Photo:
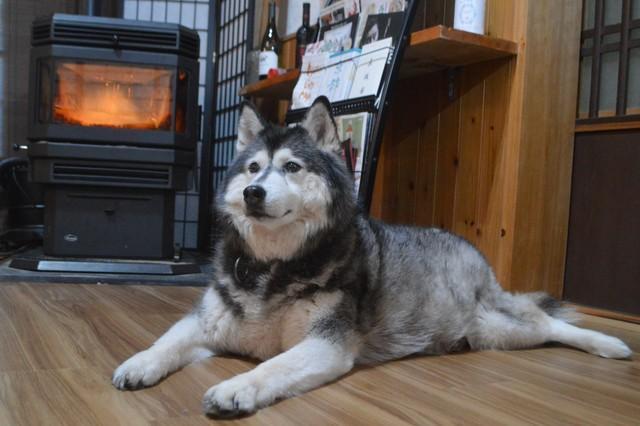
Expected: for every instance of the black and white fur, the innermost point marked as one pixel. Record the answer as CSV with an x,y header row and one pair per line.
x,y
307,284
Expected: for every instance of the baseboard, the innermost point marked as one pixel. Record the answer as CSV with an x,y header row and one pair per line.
x,y
620,316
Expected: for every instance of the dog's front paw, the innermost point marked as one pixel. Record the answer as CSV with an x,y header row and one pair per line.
x,y
238,396
141,370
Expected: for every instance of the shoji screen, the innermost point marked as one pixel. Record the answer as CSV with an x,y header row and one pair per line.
x,y
194,14
234,35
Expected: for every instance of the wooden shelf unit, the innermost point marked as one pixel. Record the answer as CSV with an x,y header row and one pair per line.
x,y
485,151
429,50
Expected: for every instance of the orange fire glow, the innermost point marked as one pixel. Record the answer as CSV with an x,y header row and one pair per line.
x,y
113,96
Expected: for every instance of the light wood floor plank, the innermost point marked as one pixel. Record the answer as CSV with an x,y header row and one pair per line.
x,y
59,345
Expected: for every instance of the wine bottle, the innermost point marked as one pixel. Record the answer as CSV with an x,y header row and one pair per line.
x,y
270,48
303,35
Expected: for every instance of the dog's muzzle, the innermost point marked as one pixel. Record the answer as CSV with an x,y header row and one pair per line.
x,y
254,196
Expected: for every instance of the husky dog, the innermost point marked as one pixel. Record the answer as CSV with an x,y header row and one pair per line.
x,y
305,282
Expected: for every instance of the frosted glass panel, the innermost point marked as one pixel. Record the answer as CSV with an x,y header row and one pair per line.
x,y
191,235
589,14
188,14
202,16
2,94
633,85
144,10
159,11
585,86
203,43
612,12
611,38
130,9
173,12
635,9
608,84
202,75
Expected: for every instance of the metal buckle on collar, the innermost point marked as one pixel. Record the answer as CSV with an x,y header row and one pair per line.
x,y
240,272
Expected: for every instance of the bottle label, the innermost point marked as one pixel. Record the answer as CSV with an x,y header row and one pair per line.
x,y
268,60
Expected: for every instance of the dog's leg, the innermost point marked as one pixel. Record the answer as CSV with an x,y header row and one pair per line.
x,y
313,362
190,339
519,323
588,340
181,345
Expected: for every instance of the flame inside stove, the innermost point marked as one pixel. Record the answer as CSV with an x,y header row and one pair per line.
x,y
113,96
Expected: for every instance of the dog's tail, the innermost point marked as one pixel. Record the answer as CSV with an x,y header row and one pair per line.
x,y
554,307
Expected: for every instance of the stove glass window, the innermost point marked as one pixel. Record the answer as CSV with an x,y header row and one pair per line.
x,y
109,95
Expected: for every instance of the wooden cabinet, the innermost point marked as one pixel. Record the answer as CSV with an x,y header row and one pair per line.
x,y
483,146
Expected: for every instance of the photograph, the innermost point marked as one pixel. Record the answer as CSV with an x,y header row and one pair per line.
x,y
379,27
352,129
340,36
335,11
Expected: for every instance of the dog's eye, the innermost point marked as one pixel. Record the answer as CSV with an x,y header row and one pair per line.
x,y
291,167
254,167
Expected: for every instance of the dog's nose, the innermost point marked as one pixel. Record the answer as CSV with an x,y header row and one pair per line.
x,y
254,194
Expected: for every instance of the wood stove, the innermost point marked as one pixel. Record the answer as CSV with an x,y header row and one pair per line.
x,y
113,127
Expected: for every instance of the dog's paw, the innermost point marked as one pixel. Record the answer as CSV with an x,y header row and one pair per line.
x,y
610,347
141,370
236,397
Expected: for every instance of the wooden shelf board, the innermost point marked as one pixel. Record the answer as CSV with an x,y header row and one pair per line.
x,y
429,50
279,87
442,47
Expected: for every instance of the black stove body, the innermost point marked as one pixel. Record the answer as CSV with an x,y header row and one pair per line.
x,y
113,127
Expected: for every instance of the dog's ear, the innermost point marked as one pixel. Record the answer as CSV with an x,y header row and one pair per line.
x,y
249,125
320,125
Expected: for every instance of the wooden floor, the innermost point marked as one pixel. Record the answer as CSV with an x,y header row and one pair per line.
x,y
60,343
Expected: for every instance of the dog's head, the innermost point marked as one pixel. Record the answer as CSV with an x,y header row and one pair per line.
x,y
286,184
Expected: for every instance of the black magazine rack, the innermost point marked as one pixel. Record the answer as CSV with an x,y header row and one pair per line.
x,y
377,106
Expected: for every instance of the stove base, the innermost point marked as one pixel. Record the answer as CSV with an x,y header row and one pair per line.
x,y
104,267
132,223
11,274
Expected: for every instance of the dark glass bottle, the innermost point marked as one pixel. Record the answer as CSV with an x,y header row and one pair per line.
x,y
270,47
303,35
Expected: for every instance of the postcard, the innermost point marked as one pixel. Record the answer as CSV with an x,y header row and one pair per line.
x,y
370,68
311,83
340,73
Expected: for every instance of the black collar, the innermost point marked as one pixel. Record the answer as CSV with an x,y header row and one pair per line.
x,y
245,268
